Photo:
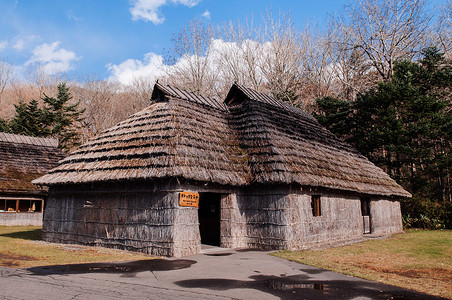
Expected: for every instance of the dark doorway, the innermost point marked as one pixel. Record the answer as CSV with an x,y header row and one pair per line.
x,y
209,218
365,212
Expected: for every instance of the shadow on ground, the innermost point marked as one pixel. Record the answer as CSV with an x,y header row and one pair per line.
x,y
31,235
300,287
126,269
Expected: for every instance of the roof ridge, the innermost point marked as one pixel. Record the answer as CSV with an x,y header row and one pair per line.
x,y
268,99
191,96
30,140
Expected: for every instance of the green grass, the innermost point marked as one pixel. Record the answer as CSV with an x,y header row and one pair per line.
x,y
21,246
417,259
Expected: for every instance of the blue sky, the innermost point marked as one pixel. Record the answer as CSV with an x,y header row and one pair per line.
x,y
90,37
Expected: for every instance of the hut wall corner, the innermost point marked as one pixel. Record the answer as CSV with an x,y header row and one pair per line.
x,y
186,240
233,223
386,217
259,217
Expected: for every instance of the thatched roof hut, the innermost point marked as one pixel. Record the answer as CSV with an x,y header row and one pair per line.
x,y
22,159
258,160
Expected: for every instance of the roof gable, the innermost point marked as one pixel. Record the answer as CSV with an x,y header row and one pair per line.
x,y
238,93
161,92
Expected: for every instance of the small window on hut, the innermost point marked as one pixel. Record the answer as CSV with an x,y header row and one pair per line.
x,y
315,204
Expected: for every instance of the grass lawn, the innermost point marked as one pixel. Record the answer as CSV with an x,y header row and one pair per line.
x,y
21,246
420,260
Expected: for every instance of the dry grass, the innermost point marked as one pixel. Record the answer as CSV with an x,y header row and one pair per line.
x,y
22,247
418,259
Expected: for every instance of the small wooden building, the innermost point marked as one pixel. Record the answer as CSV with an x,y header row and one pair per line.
x,y
267,175
22,159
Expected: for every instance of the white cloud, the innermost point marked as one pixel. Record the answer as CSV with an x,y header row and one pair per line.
x,y
52,58
21,42
152,67
206,14
3,45
148,10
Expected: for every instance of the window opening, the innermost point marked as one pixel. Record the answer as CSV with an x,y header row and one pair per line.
x,y
315,204
21,205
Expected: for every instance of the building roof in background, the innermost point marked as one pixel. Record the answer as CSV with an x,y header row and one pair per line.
x,y
30,140
24,158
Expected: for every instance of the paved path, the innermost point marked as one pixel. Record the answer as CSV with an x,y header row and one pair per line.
x,y
215,274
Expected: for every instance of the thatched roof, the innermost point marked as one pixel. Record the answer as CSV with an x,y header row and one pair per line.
x,y
180,135
254,138
24,158
286,145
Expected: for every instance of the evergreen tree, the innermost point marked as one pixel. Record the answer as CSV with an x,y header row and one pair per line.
x,y
4,127
404,125
29,120
335,114
64,118
58,119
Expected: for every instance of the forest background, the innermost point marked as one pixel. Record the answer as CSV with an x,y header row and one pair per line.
x,y
379,77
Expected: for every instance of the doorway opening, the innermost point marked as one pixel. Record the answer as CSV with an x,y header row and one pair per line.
x,y
365,212
209,218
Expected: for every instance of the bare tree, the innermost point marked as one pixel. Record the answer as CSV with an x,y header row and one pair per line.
x,y
317,77
6,73
443,30
281,56
191,58
98,98
351,70
239,57
384,30
44,82
141,91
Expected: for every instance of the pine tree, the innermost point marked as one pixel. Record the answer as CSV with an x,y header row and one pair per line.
x,y
64,118
4,126
403,125
58,119
29,120
335,114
